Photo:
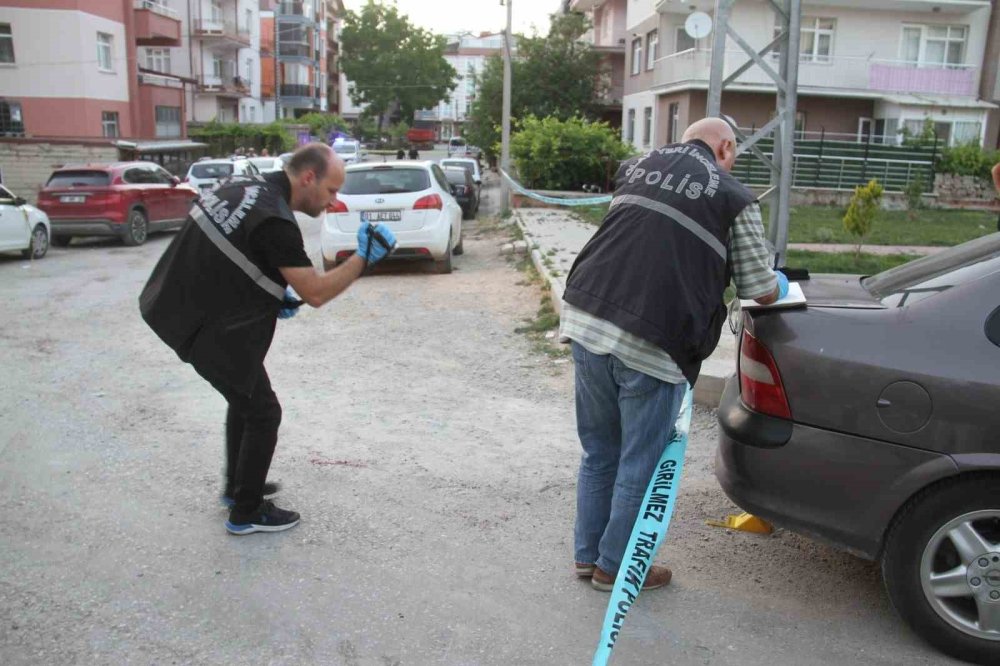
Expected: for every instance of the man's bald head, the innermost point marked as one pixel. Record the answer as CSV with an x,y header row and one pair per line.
x,y
719,136
316,172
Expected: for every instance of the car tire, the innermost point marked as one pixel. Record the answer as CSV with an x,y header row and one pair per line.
x,y
136,228
460,248
60,241
923,545
39,243
444,265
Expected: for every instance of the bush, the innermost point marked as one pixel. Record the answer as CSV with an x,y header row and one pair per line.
x,y
967,160
224,138
860,217
825,235
320,124
914,192
552,154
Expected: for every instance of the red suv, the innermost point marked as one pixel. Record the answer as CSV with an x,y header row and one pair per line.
x,y
124,199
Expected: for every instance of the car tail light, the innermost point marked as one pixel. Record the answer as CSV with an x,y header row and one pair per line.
x,y
760,381
429,202
337,206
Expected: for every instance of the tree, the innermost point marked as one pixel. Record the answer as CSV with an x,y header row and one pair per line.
x,y
555,75
860,218
396,67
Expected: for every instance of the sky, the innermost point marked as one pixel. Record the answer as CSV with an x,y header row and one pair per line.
x,y
450,16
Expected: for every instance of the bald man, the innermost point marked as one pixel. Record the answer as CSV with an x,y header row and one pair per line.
x,y
217,292
643,308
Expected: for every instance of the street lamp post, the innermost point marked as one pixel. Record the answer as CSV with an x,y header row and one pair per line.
x,y
505,140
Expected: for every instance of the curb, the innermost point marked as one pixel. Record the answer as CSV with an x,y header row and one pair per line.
x,y
714,373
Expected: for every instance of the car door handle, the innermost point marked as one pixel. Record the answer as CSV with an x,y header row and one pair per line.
x,y
882,402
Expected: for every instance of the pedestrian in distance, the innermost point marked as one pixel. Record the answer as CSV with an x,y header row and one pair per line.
x,y
413,153
400,154
220,287
264,153
995,172
643,307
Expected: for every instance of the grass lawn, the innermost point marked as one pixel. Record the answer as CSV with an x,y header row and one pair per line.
x,y
845,262
824,224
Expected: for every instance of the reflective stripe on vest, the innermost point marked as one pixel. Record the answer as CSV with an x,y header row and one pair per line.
x,y
675,215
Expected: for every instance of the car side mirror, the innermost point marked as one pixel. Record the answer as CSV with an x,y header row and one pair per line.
x,y
175,181
477,180
20,201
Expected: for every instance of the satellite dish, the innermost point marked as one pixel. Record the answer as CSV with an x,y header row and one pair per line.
x,y
698,25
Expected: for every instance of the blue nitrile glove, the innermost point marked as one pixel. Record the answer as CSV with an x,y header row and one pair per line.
x,y
370,248
292,302
782,285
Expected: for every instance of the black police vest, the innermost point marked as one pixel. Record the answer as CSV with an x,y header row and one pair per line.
x,y
659,264
207,298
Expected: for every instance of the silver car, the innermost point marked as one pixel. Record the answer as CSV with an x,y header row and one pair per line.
x,y
870,420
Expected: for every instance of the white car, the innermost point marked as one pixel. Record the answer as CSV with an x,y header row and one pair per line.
x,y
412,198
267,164
204,174
22,227
349,151
467,163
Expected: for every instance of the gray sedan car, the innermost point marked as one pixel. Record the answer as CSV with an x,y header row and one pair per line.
x,y
870,419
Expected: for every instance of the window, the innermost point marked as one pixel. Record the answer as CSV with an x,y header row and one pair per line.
x,y
647,125
104,52
217,67
249,21
168,121
815,39
652,48
630,127
158,60
249,81
673,116
636,55
216,10
109,124
10,118
683,41
6,44
933,45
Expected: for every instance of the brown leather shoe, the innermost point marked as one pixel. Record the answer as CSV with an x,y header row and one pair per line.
x,y
657,577
584,570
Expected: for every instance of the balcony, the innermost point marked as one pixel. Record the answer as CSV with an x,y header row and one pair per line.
x,y
292,11
299,95
219,33
156,24
223,85
837,74
294,50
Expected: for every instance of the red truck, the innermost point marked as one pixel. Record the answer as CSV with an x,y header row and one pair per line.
x,y
422,135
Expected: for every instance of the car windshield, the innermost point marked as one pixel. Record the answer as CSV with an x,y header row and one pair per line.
x,y
264,162
210,170
345,148
385,181
79,179
922,278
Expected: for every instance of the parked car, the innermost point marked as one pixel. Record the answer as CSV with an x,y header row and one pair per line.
x,y
203,175
124,199
469,164
22,226
464,189
869,419
349,151
267,164
456,144
285,157
413,198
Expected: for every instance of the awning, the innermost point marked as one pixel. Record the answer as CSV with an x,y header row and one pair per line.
x,y
160,146
920,99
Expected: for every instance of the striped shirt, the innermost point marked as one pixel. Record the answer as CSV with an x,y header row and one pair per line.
x,y
751,263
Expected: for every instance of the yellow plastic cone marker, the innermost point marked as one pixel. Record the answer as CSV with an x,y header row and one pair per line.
x,y
744,522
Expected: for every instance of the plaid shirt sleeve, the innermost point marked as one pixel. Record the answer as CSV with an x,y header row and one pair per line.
x,y
751,255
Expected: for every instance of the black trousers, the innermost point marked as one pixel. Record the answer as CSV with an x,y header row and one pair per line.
x,y
251,436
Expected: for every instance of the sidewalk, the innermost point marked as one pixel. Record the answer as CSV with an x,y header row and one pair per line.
x,y
556,236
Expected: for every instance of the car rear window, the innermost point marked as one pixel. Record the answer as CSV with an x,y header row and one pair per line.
x,y
468,166
79,179
455,176
931,275
345,148
385,181
211,170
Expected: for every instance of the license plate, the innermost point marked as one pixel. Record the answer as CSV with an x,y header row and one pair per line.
x,y
76,198
381,215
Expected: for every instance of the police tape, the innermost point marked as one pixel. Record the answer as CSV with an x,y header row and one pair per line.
x,y
649,532
559,201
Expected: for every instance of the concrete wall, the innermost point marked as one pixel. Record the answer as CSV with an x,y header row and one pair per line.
x,y
27,164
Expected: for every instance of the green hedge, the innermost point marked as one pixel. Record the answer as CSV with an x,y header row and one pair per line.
x,y
968,160
224,138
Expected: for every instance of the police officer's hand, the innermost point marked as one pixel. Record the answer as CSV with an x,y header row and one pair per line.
x,y
782,285
292,302
375,242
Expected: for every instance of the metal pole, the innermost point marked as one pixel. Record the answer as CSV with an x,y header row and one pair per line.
x,y
505,138
787,103
277,66
722,9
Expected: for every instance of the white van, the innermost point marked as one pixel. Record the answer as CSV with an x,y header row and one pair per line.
x,y
456,145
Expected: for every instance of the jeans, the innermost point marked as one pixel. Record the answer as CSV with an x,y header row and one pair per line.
x,y
251,437
624,419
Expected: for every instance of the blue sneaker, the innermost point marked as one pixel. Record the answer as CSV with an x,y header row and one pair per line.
x,y
267,518
270,490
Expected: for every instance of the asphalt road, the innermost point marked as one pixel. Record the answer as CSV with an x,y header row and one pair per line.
x,y
432,454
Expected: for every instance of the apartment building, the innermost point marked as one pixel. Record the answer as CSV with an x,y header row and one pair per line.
x,y
334,16
867,70
608,38
77,69
294,56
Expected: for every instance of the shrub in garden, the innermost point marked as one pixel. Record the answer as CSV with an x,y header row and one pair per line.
x,y
862,211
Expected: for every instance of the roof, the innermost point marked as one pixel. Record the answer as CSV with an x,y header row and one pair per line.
x,y
920,99
160,146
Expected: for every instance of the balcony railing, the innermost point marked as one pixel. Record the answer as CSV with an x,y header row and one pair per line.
x,y
855,73
296,90
294,49
145,78
157,8
225,84
228,30
297,8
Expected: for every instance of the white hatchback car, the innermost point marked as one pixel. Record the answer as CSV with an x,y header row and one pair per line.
x,y
412,198
204,174
349,151
22,227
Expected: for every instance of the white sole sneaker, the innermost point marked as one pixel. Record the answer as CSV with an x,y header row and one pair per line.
x,y
251,528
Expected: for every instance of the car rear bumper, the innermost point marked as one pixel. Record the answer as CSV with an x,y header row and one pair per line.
x,y
832,486
434,239
86,227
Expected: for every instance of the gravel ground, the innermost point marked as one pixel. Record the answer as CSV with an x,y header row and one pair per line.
x,y
432,455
